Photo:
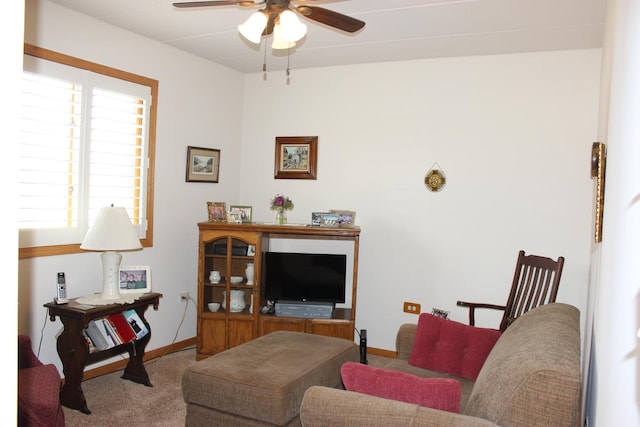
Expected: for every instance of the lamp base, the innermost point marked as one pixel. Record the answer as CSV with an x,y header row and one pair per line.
x,y
111,275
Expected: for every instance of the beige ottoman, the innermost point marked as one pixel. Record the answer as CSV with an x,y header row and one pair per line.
x,y
262,382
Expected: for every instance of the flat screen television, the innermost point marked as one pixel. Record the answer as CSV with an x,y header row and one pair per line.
x,y
304,277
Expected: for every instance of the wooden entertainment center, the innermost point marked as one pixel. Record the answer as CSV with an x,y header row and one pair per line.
x,y
240,320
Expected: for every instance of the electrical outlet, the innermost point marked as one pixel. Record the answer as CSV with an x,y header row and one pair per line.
x,y
184,296
411,307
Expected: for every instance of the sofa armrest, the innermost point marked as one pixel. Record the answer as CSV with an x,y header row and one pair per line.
x,y
329,407
404,340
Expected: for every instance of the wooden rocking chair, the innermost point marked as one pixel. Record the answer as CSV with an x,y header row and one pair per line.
x,y
535,283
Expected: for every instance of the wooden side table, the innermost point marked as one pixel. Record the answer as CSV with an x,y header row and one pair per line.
x,y
74,351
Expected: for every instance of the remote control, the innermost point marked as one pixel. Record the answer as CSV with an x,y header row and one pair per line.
x,y
363,346
61,295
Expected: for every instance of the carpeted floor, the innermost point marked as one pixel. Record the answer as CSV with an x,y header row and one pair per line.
x,y
117,402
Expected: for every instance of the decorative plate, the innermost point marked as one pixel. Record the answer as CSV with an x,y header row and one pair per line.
x,y
435,180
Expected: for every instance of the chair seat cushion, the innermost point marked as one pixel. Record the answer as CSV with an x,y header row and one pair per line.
x,y
437,393
451,347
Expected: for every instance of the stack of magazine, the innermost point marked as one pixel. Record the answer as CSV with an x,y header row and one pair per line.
x,y
117,329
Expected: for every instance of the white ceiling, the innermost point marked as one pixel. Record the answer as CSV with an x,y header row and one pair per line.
x,y
395,29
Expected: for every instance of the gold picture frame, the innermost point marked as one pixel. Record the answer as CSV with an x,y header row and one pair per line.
x,y
203,164
296,157
217,211
598,168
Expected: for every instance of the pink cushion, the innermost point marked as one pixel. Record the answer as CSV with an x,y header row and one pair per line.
x,y
437,393
451,347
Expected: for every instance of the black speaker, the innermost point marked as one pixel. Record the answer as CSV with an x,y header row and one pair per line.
x,y
363,346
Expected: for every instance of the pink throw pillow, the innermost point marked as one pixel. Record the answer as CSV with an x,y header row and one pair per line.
x,y
451,347
437,393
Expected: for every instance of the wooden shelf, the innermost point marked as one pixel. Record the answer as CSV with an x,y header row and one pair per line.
x,y
223,329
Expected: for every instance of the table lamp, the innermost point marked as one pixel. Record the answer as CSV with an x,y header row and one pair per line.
x,y
111,231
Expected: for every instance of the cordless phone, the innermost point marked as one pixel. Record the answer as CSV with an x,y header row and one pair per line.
x,y
61,294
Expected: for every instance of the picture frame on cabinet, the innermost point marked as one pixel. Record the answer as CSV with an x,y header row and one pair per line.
x,y
203,164
242,212
217,211
296,157
346,219
135,279
324,219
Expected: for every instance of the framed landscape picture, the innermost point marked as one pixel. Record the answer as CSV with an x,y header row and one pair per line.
x,y
296,157
203,164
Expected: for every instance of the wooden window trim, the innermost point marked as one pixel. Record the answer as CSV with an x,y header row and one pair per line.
x,y
29,49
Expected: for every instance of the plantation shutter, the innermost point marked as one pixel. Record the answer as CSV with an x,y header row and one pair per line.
x,y
84,146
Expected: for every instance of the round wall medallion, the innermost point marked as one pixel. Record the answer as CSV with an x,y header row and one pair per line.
x,y
435,180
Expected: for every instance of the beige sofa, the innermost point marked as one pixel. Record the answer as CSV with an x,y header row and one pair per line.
x,y
530,378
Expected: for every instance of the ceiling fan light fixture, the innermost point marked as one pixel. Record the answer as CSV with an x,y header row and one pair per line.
x,y
278,42
253,27
291,28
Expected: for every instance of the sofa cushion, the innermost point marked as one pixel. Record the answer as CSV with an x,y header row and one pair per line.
x,y
437,393
451,347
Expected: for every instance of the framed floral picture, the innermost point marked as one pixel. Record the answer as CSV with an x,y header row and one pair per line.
x,y
346,219
203,164
296,157
217,211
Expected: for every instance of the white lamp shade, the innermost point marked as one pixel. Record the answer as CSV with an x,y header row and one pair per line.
x,y
253,27
292,29
278,42
111,231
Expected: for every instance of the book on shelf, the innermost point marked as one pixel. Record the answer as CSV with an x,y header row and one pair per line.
x,y
92,348
111,331
102,325
136,323
98,336
122,328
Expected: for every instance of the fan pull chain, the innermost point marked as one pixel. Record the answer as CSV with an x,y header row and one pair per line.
x,y
288,59
264,61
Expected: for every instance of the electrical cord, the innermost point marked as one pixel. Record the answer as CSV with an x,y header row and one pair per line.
x,y
44,325
184,315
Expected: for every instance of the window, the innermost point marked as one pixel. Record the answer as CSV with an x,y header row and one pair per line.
x,y
87,141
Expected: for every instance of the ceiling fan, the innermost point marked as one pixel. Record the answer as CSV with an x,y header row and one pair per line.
x,y
278,13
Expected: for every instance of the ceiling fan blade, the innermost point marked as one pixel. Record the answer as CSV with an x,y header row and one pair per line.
x,y
216,3
331,18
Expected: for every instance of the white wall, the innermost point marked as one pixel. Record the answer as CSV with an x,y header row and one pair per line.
x,y
200,104
614,381
513,135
